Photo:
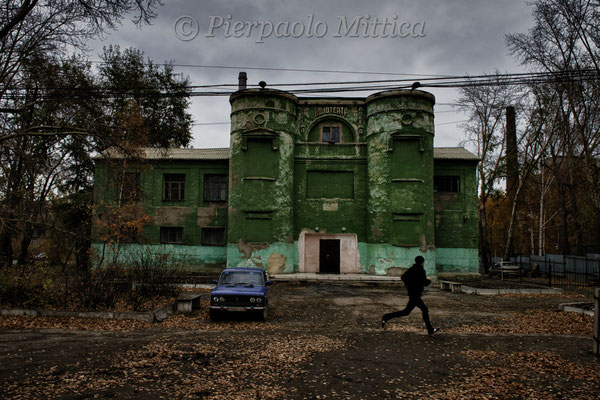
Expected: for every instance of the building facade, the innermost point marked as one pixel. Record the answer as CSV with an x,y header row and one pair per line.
x,y
328,185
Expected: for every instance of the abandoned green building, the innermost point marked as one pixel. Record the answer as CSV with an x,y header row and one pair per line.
x,y
329,185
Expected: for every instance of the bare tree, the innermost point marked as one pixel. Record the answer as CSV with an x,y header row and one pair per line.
x,y
565,39
485,106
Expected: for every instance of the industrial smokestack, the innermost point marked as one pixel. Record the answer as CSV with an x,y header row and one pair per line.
x,y
512,160
242,80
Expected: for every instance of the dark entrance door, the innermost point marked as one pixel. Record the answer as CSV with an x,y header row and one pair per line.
x,y
329,256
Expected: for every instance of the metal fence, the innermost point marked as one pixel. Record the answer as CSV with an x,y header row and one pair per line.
x,y
556,270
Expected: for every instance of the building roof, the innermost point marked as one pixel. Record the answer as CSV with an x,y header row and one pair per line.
x,y
150,153
439,153
453,153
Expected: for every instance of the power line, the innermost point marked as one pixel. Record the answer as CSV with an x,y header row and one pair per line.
x,y
328,71
531,78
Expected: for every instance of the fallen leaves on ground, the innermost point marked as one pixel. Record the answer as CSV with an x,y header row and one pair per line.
x,y
85,324
566,296
536,322
205,369
521,375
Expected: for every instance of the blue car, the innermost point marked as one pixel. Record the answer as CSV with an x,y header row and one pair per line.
x,y
240,289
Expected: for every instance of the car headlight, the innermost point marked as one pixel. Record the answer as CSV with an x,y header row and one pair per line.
x,y
252,300
218,299
259,299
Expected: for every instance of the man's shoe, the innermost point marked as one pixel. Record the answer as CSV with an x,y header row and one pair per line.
x,y
383,322
432,331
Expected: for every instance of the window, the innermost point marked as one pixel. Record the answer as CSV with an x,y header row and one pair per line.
x,y
329,184
171,235
448,184
173,187
130,187
213,236
330,133
215,187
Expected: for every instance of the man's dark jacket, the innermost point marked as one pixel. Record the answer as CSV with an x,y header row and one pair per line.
x,y
415,280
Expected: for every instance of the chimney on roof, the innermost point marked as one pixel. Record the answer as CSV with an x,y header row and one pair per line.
x,y
242,80
512,159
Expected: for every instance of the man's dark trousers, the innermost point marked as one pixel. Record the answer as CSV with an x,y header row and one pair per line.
x,y
413,301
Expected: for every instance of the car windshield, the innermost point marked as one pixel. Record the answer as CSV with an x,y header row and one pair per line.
x,y
242,278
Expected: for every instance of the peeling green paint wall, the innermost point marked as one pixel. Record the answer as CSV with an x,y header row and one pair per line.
x,y
261,198
192,214
377,183
188,255
457,260
382,257
277,258
400,164
456,213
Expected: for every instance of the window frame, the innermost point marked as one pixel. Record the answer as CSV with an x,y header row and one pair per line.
x,y
449,184
169,185
208,182
167,231
126,183
331,125
207,241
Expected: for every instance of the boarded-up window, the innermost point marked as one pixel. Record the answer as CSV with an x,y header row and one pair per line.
x,y
261,160
330,184
258,226
173,187
406,229
215,187
171,235
407,159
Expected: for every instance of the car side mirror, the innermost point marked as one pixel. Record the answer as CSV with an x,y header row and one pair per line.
x,y
268,283
215,281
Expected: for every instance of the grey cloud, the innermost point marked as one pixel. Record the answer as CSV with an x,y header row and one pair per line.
x,y
462,36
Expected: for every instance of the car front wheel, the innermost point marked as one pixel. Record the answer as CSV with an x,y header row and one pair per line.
x,y
215,315
262,315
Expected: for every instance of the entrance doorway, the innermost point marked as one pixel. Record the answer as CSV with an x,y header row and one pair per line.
x,y
329,256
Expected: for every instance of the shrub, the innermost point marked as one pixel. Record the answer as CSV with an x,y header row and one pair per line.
x,y
152,275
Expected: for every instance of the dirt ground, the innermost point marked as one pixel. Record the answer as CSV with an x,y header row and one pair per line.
x,y
322,341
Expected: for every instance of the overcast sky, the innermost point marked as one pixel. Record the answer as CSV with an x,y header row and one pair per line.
x,y
443,37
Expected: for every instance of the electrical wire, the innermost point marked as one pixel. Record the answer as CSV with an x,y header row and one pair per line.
x,y
531,78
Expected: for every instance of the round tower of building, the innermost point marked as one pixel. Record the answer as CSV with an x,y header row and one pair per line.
x,y
263,126
400,133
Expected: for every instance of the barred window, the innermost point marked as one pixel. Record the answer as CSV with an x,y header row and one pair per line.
x,y
171,235
213,236
173,187
215,187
